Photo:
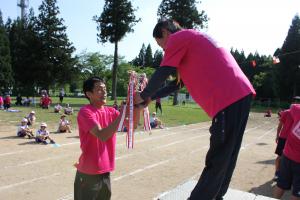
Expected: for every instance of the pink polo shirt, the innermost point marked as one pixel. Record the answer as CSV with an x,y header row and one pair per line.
x,y
97,157
209,72
287,122
292,145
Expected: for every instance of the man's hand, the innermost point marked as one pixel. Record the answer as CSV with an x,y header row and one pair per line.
x,y
139,101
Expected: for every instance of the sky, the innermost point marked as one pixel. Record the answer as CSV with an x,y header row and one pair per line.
x,y
250,25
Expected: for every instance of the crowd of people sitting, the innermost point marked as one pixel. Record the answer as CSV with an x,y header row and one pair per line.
x,y
42,135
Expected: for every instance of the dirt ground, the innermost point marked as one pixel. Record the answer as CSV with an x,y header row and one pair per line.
x,y
158,162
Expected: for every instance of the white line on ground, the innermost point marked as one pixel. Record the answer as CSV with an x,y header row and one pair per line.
x,y
26,182
36,161
77,142
70,196
257,139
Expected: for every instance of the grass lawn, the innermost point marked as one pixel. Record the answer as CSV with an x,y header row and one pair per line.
x,y
172,115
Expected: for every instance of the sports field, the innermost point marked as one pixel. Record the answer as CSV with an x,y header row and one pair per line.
x,y
158,162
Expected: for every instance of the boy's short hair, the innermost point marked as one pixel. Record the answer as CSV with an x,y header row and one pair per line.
x,y
168,24
89,84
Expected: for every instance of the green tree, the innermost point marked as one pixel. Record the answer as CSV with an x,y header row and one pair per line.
x,y
148,57
116,20
6,74
184,12
290,62
26,52
95,64
157,58
139,61
57,61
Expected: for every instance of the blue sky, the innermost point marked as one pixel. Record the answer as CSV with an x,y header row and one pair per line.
x,y
256,25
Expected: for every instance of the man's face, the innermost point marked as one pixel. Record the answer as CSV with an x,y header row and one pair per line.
x,y
99,93
162,42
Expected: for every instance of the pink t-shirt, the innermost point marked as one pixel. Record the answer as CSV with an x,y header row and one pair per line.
x,y
209,72
97,157
292,145
287,122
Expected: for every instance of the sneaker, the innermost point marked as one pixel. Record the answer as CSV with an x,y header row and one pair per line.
x,y
52,142
45,142
276,176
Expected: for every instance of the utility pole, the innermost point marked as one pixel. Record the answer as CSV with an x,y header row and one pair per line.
x,y
23,5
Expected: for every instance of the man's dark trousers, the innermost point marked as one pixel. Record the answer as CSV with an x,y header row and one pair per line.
x,y
227,132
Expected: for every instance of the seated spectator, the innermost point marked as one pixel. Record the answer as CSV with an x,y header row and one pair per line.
x,y
57,108
68,110
42,135
64,125
42,100
19,100
1,102
24,130
7,102
46,102
268,113
26,101
31,118
155,122
115,105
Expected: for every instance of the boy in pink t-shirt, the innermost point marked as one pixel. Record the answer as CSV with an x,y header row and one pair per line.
x,y
217,84
283,129
97,125
289,171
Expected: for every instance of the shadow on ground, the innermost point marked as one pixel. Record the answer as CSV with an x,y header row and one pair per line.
x,y
267,162
267,188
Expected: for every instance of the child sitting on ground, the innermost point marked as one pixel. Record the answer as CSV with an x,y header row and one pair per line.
x,y
31,118
57,108
42,135
155,122
68,110
64,125
24,130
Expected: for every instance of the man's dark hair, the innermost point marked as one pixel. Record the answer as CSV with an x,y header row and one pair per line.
x,y
168,24
89,84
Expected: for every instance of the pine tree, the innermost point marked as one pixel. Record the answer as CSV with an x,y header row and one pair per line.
x,y
140,60
290,61
58,63
6,74
26,52
157,58
116,20
184,12
148,57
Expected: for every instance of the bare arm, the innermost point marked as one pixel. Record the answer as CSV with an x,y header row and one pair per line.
x,y
105,133
279,127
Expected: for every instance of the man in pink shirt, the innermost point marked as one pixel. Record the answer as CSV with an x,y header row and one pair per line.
x,y
218,85
97,125
289,171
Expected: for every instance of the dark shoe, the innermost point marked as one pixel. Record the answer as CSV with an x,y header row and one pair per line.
x,y
52,142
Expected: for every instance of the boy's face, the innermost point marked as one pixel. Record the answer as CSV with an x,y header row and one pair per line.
x,y
162,42
98,94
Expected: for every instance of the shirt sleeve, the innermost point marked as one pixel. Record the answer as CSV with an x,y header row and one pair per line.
x,y
157,80
168,89
86,119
